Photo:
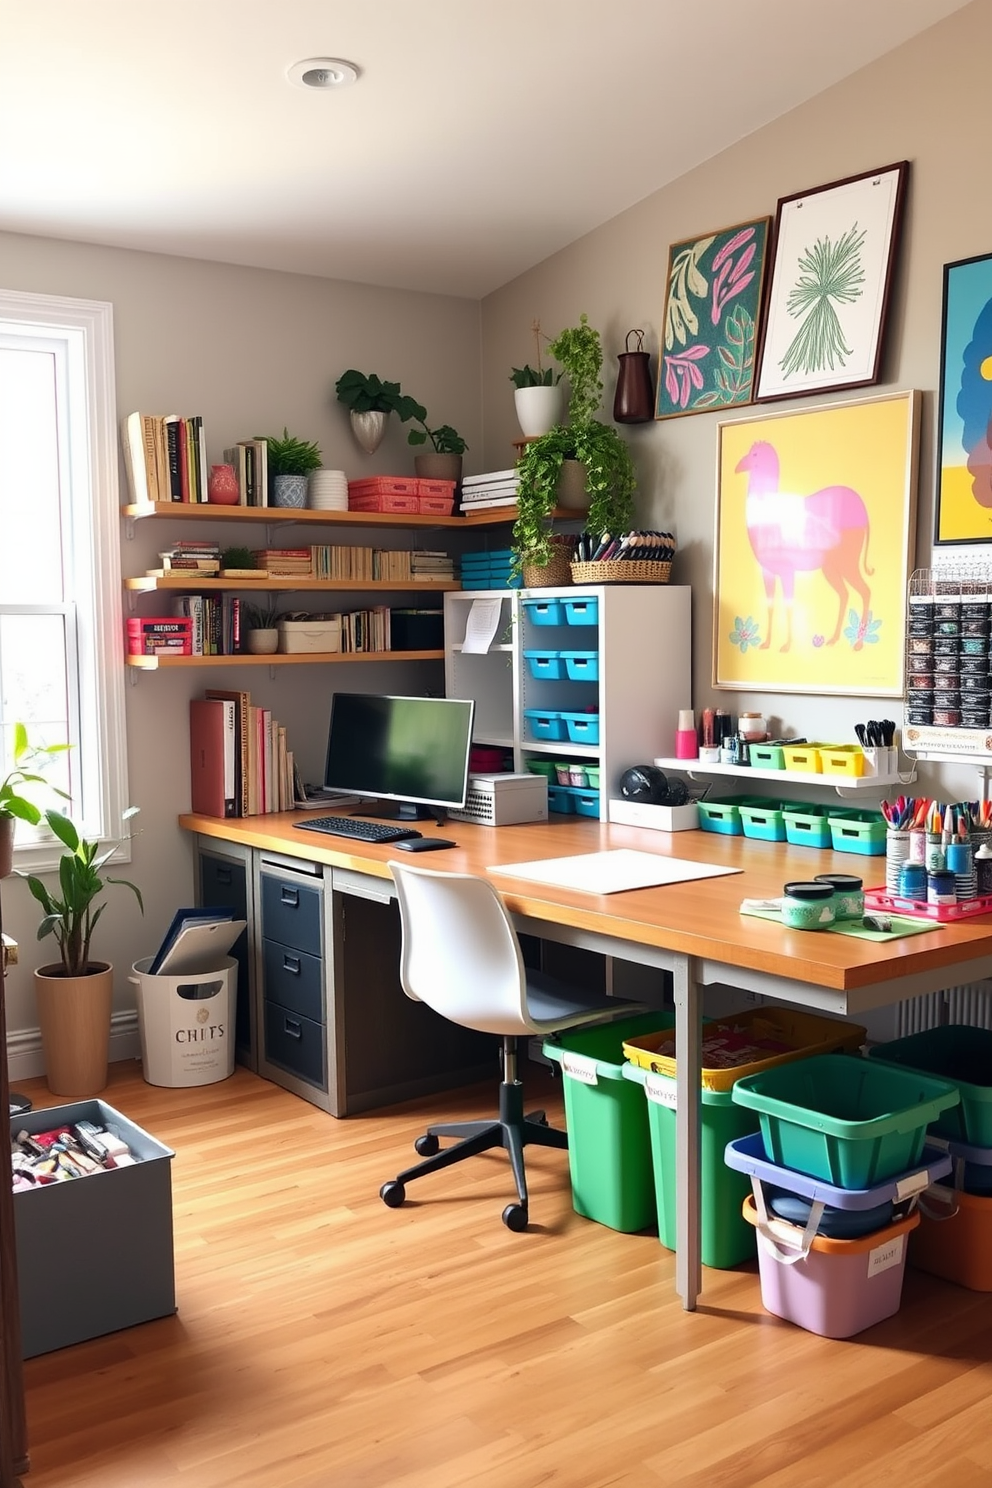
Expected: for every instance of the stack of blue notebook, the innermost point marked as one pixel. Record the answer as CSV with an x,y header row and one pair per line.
x,y
489,570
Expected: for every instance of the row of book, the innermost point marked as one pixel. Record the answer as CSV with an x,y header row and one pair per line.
x,y
481,492
240,760
165,457
215,625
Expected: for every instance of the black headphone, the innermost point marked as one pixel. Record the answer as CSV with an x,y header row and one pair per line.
x,y
648,784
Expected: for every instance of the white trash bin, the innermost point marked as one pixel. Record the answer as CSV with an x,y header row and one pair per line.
x,y
186,1024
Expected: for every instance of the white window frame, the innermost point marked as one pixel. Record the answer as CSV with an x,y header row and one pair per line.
x,y
86,328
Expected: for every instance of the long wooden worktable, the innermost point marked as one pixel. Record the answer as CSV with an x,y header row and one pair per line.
x,y
694,930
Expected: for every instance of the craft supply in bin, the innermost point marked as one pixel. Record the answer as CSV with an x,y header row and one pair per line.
x,y
833,1117
962,1055
609,1145
747,1043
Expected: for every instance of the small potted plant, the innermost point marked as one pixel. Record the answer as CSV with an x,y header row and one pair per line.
x,y
14,805
537,396
75,993
369,402
584,447
260,620
290,462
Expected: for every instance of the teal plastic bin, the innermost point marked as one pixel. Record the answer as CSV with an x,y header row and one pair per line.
x,y
854,1122
962,1055
609,1142
726,1239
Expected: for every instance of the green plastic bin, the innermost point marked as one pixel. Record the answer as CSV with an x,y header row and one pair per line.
x,y
609,1143
854,1122
726,1238
962,1055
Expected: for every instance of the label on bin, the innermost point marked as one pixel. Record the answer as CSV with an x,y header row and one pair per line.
x,y
661,1090
884,1257
580,1067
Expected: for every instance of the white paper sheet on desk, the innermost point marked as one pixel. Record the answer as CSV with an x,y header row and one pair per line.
x,y
612,872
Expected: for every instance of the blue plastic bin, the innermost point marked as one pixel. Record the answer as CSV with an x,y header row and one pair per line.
x,y
582,611
544,725
545,611
582,666
583,728
545,664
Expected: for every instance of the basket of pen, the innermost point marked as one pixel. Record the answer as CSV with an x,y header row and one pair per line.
x,y
633,558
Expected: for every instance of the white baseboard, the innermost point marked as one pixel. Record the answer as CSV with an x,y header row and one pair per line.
x,y
25,1058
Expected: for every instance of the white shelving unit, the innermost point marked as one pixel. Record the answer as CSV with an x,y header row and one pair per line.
x,y
696,769
642,642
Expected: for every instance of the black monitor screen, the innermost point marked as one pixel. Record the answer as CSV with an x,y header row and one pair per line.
x,y
407,749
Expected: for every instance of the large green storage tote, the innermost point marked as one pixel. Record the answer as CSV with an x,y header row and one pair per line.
x,y
726,1238
609,1143
958,1053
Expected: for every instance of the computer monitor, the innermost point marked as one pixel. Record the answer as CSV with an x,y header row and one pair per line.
x,y
409,751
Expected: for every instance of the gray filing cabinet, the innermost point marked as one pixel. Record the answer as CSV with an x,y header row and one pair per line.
x,y
290,946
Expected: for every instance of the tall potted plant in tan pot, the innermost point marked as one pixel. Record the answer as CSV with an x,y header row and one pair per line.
x,y
75,993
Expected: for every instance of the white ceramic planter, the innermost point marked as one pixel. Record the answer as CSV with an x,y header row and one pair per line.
x,y
368,428
538,409
263,642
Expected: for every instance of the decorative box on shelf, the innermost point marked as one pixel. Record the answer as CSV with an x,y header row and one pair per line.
x,y
662,818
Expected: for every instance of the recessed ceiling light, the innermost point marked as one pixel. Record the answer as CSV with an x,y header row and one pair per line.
x,y
323,72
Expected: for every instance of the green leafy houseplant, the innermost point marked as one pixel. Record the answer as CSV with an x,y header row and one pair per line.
x,y
362,392
609,471
291,456
28,759
262,613
71,914
528,376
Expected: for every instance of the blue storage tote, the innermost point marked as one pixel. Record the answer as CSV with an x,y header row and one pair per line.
x,y
764,822
582,611
544,725
723,814
858,832
545,664
958,1053
806,826
545,611
609,1145
586,802
849,1120
581,666
583,728
561,799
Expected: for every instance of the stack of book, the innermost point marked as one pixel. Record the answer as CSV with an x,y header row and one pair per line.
x,y
493,569
366,630
158,635
280,562
165,457
240,763
249,459
215,623
189,556
427,565
498,488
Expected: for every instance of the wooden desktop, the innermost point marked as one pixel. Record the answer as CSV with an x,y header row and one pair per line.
x,y
694,930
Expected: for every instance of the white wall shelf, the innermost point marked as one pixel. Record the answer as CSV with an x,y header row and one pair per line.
x,y
695,769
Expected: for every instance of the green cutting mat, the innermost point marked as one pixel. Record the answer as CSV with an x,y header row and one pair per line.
x,y
901,925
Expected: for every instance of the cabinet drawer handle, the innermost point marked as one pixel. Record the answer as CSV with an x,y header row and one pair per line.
x,y
291,963
224,875
295,1030
289,895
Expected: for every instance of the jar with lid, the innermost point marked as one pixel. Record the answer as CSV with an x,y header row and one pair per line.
x,y
808,906
941,888
848,892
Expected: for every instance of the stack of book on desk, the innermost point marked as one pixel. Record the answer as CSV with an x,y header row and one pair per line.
x,y
481,492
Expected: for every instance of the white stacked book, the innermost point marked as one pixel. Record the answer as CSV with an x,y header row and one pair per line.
x,y
498,488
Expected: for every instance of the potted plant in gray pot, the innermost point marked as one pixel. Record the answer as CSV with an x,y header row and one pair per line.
x,y
260,620
75,994
290,462
583,465
14,805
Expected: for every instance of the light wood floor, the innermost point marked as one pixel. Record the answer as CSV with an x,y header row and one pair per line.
x,y
323,1340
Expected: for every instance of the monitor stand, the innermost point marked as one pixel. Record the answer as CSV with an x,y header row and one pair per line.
x,y
404,811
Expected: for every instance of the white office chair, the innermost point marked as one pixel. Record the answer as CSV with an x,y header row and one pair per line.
x,y
460,955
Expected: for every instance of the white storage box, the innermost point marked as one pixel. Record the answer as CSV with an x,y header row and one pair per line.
x,y
310,635
502,800
662,818
186,1024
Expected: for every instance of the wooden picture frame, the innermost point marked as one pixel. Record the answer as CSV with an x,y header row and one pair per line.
x,y
813,548
711,319
963,487
828,293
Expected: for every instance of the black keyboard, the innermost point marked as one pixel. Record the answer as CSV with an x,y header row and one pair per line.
x,y
361,831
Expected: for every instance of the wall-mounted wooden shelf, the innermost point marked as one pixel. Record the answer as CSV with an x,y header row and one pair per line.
x,y
278,658
181,583
205,511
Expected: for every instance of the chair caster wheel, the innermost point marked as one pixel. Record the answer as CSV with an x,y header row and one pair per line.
x,y
427,1145
392,1194
515,1217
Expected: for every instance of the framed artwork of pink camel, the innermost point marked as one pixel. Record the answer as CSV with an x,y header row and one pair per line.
x,y
814,548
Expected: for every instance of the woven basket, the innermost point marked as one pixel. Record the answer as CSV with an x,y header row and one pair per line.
x,y
635,572
554,574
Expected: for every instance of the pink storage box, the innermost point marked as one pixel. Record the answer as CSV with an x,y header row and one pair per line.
x,y
838,1287
384,493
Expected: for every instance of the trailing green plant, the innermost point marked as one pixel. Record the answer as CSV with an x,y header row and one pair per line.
x,y
71,914
290,456
362,392
29,759
609,470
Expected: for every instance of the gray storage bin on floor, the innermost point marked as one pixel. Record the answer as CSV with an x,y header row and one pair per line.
x,y
94,1254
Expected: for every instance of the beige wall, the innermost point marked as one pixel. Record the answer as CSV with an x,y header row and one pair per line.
x,y
253,350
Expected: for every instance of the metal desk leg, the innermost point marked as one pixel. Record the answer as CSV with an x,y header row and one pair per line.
x,y
688,1039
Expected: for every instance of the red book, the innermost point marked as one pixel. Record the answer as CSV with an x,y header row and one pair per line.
x,y
211,741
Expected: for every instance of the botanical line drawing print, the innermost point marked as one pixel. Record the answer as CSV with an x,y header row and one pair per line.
x,y
710,321
826,531
829,271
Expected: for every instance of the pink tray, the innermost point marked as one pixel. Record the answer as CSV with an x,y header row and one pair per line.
x,y
879,899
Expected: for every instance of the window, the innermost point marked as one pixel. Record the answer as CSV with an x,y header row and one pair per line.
x,y
60,613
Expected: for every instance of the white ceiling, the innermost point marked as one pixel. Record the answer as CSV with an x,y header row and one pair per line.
x,y
483,135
